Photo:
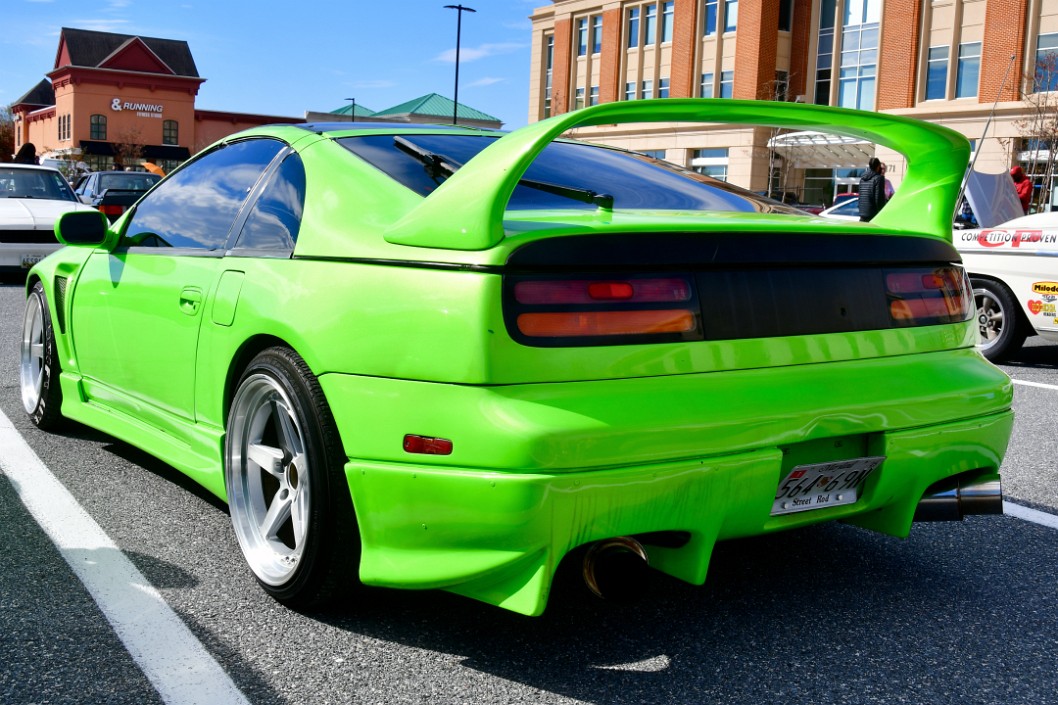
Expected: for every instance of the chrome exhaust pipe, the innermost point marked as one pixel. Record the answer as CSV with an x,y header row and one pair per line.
x,y
948,502
617,568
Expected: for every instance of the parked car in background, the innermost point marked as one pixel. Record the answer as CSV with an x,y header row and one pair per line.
x,y
31,199
113,192
430,357
1012,261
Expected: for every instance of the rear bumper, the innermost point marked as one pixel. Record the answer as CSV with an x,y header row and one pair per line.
x,y
556,466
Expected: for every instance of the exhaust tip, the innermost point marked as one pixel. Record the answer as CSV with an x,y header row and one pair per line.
x,y
948,502
617,569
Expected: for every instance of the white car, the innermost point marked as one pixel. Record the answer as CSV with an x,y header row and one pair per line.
x,y
31,199
1013,268
848,209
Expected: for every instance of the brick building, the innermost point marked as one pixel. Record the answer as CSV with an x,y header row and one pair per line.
x,y
122,99
946,61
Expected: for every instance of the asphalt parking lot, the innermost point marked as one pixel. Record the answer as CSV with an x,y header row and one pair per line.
x,y
957,613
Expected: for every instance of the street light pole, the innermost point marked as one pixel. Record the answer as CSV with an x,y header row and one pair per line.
x,y
459,31
352,110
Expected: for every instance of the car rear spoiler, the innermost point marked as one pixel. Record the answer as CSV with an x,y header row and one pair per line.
x,y
466,211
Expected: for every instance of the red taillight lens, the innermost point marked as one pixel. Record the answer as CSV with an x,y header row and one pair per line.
x,y
427,445
586,291
607,309
112,210
923,297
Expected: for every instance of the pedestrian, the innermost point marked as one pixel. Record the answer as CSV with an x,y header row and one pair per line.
x,y
872,190
889,190
1023,185
27,154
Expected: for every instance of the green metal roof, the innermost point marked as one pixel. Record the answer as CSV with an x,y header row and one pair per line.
x,y
361,111
434,105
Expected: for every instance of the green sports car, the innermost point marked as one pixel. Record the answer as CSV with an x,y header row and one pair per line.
x,y
440,357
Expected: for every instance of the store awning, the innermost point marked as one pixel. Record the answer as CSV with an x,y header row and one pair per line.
x,y
150,151
817,150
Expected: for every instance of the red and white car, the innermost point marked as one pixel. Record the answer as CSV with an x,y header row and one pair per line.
x,y
1013,266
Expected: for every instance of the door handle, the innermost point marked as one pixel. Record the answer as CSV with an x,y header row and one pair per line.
x,y
190,300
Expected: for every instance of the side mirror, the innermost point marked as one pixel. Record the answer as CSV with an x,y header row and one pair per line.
x,y
83,228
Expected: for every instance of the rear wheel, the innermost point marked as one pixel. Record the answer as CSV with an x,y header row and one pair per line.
x,y
1002,332
287,493
38,371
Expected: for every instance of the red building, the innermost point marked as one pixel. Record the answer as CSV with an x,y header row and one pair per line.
x,y
122,100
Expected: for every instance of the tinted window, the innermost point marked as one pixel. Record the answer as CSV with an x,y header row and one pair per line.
x,y
274,220
130,181
197,205
634,180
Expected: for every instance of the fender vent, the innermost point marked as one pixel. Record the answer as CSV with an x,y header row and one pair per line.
x,y
60,303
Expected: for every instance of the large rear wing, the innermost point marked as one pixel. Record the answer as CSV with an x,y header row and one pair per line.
x,y
466,211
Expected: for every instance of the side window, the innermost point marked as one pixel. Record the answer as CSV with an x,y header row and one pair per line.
x,y
275,218
197,205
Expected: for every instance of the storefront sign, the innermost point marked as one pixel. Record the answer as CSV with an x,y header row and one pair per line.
x,y
150,110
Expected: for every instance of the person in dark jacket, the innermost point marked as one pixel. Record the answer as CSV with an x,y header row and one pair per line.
x,y
872,190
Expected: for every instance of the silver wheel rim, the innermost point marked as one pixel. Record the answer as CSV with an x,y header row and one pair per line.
x,y
31,369
268,480
990,317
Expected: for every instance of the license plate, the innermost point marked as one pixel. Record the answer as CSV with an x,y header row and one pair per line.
x,y
30,260
823,485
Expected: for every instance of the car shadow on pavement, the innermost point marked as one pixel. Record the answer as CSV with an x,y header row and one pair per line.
x,y
824,614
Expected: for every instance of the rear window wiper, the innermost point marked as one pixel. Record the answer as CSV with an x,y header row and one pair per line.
x,y
438,164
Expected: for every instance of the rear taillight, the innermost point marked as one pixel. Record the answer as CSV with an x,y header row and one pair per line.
x,y
603,310
920,296
112,210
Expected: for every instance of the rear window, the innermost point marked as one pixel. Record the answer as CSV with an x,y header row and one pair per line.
x,y
34,183
565,175
130,181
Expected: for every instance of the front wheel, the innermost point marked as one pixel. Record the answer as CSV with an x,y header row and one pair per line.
x,y
287,493
38,370
1002,332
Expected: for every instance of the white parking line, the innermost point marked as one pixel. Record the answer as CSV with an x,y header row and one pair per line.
x,y
1041,385
1033,515
174,661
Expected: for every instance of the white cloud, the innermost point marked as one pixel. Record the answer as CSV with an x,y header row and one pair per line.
x,y
467,54
487,81
111,25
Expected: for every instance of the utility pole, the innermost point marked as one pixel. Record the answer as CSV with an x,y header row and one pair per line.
x,y
459,31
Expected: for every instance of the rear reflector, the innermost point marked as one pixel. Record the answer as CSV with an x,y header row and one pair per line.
x,y
427,445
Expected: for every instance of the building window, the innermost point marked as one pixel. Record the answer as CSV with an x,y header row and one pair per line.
x,y
593,96
825,53
596,34
648,90
663,88
578,102
549,53
785,15
968,70
630,90
859,55
706,89
654,153
937,74
98,127
709,15
711,162
170,132
730,15
650,28
633,27
582,36
727,84
666,21
1046,73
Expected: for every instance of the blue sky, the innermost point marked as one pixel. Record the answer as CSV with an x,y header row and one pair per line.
x,y
284,58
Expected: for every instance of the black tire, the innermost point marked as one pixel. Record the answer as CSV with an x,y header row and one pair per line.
x,y
39,368
309,553
999,320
